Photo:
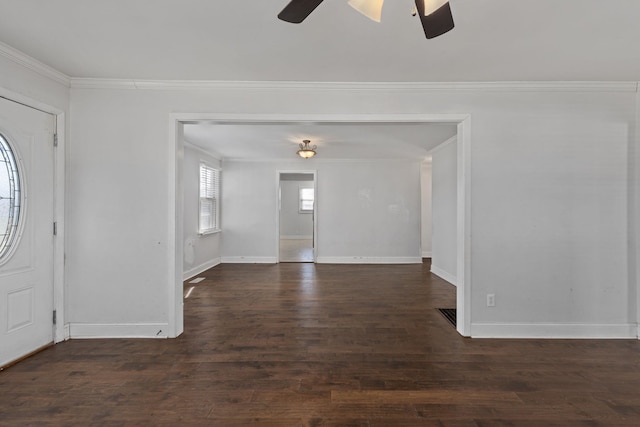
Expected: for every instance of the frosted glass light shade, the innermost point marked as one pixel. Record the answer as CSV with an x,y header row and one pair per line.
x,y
431,6
306,154
306,151
372,9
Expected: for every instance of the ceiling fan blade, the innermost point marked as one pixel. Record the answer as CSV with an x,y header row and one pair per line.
x,y
298,10
372,9
438,23
431,6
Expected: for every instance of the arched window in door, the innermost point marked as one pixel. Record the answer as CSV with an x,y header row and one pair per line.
x,y
10,198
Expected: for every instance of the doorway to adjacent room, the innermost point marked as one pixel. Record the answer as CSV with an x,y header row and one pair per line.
x,y
296,216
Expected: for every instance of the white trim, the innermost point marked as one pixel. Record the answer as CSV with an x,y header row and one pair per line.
x,y
200,268
319,160
444,275
175,195
60,331
175,232
296,237
249,260
463,229
313,172
29,102
525,86
201,150
240,118
97,83
368,260
118,330
427,254
553,330
633,196
440,147
34,65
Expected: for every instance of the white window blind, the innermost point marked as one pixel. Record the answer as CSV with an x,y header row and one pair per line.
x,y
209,199
306,200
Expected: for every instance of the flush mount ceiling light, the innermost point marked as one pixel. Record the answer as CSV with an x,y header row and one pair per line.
x,y
306,151
435,15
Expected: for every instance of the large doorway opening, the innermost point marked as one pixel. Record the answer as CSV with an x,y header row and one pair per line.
x,y
359,121
296,216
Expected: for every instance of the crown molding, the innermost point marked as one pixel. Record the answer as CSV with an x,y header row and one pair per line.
x,y
315,160
201,150
587,86
34,65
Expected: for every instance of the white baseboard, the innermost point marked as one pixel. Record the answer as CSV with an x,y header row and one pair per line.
x,y
554,330
368,260
200,268
118,330
444,275
248,260
426,254
296,237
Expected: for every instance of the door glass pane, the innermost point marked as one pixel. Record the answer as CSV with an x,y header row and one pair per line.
x,y
10,197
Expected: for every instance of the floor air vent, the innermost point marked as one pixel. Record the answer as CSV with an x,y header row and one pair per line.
x,y
450,315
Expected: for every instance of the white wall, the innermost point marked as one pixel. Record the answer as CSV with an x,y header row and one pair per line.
x,y
369,212
549,183
201,252
365,211
426,208
35,81
445,209
552,195
293,223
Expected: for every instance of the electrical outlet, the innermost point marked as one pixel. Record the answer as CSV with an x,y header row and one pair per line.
x,y
491,300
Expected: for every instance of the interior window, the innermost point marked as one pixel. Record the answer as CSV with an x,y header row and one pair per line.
x,y
306,200
209,199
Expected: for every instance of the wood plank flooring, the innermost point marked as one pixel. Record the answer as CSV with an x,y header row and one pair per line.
x,y
324,345
296,250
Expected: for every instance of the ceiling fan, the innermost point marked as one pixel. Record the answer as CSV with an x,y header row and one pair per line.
x,y
435,15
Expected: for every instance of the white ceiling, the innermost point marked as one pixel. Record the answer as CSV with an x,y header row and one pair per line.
x,y
334,140
231,40
494,40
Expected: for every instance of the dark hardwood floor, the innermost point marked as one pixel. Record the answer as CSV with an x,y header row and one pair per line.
x,y
324,345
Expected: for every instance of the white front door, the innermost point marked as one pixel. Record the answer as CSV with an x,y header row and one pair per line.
x,y
26,230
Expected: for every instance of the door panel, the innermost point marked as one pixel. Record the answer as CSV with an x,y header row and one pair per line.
x,y
26,269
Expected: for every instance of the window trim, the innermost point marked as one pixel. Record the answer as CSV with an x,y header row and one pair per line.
x,y
300,200
217,172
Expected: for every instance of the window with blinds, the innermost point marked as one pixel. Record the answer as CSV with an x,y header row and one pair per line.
x,y
209,199
306,200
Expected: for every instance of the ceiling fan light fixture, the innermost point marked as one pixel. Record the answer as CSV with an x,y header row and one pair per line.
x,y
306,151
431,6
435,15
372,9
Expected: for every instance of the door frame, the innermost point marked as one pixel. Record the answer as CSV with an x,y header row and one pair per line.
x,y
175,155
61,327
313,172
